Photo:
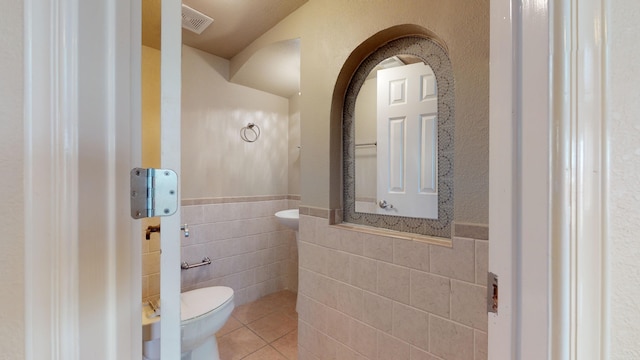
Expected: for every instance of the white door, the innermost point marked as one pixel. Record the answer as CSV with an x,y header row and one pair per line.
x,y
407,141
170,75
81,123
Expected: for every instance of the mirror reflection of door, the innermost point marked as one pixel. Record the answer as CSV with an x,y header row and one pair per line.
x,y
407,141
396,140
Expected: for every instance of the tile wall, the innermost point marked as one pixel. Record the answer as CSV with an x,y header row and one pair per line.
x,y
365,296
250,251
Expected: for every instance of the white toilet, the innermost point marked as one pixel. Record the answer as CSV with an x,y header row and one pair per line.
x,y
203,312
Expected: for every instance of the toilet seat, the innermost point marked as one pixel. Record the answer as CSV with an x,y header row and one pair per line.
x,y
197,303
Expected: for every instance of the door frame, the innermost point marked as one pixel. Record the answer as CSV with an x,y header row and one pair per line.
x,y
170,102
547,87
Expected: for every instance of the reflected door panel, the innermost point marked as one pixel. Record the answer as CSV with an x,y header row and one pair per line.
x,y
407,141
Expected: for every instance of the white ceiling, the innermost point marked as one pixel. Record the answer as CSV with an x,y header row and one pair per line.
x,y
236,24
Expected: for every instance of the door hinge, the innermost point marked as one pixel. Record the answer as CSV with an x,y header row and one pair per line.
x,y
492,293
154,192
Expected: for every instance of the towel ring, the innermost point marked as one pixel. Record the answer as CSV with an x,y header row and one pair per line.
x,y
250,133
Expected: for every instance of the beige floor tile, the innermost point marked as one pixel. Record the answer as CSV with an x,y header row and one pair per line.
x,y
288,345
266,353
281,299
284,296
255,310
239,343
265,329
229,326
290,312
273,326
278,294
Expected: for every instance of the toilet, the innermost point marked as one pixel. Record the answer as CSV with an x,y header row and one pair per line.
x,y
202,313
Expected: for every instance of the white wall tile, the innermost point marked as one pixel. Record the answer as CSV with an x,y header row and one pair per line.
x,y
449,340
383,293
364,273
311,257
221,230
411,325
238,237
480,345
393,282
154,285
214,213
482,261
326,291
418,354
430,292
313,312
468,305
307,228
457,262
338,266
377,311
308,337
338,325
412,254
192,215
304,353
262,273
329,347
314,341
151,263
350,241
364,339
345,353
390,347
145,288
305,281
378,247
350,300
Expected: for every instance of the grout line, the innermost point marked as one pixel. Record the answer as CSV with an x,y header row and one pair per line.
x,y
278,351
253,352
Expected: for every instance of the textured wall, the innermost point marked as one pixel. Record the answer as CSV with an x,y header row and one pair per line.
x,y
216,162
150,107
11,191
623,127
294,146
330,29
150,158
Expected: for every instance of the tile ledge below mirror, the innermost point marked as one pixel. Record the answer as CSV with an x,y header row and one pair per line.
x,y
461,230
433,240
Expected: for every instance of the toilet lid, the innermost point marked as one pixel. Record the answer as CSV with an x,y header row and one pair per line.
x,y
198,302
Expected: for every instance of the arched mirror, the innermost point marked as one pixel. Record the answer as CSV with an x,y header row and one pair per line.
x,y
398,130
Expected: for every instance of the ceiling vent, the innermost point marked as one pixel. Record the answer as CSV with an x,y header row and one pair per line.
x,y
194,20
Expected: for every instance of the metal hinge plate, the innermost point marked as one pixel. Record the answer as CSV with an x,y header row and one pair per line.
x,y
492,293
154,192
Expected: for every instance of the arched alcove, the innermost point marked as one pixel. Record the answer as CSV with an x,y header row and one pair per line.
x,y
407,40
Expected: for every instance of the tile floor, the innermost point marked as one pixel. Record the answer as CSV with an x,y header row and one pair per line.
x,y
266,329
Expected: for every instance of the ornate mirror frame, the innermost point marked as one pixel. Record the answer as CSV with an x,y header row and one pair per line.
x,y
433,54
